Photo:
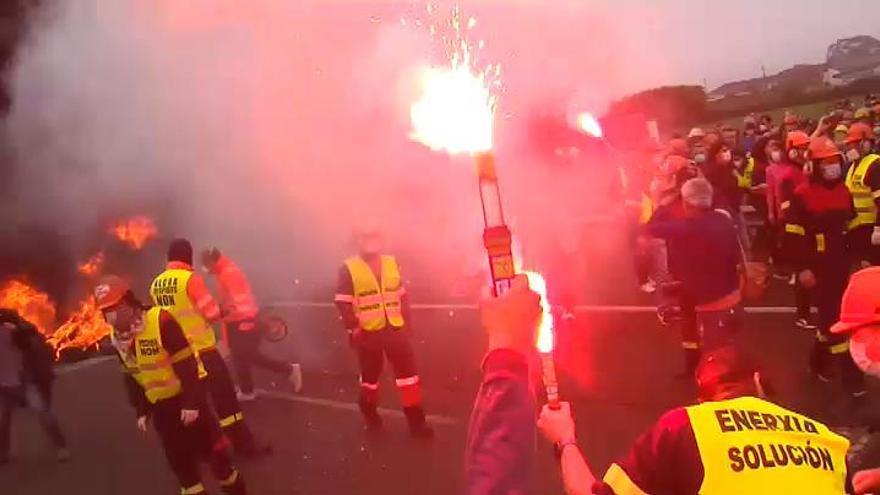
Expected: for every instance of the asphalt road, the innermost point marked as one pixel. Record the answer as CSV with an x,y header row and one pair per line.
x,y
619,369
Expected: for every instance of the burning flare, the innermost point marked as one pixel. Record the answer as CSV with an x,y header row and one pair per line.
x,y
457,107
544,340
587,123
85,328
135,231
30,303
92,266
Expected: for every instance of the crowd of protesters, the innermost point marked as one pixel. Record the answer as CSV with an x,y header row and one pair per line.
x,y
722,211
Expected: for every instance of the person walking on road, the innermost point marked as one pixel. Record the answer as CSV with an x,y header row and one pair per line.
x,y
239,310
821,210
162,377
374,309
26,379
183,293
710,278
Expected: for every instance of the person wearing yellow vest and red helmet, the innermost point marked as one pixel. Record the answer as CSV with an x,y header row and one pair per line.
x,y
821,208
374,309
239,308
734,441
162,377
184,294
863,181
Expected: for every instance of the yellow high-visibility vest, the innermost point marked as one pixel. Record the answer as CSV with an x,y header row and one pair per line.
x,y
748,445
863,197
150,364
168,291
745,180
376,305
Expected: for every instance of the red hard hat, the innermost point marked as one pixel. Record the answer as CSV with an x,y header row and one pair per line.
x,y
110,291
822,147
859,132
796,139
861,301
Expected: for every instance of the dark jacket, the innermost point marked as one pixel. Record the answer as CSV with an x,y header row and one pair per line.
x,y
37,360
708,242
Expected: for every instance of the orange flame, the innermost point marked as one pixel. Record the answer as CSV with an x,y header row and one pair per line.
x,y
135,231
456,111
85,328
30,303
545,331
92,266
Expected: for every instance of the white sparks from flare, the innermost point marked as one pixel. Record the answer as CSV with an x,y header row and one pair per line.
x,y
587,123
456,110
544,341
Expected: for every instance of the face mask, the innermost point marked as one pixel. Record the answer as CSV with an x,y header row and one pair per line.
x,y
725,157
700,158
739,164
793,154
831,172
861,347
853,155
776,156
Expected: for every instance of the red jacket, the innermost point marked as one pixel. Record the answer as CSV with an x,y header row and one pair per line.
x,y
236,297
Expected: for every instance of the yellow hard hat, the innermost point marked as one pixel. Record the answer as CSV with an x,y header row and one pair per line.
x,y
862,113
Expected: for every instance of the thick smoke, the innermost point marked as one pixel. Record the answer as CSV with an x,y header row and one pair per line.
x,y
270,127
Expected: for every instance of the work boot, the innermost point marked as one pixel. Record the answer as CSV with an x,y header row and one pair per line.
x,y
245,445
418,427
372,419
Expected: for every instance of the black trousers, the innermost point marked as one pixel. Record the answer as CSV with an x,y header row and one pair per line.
x,y
859,247
372,349
186,447
245,348
222,394
831,350
28,396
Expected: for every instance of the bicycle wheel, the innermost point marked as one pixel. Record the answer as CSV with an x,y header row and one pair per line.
x,y
274,328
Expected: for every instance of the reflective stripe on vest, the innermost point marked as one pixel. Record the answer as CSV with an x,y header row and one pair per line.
x,y
376,306
168,291
863,197
748,445
744,181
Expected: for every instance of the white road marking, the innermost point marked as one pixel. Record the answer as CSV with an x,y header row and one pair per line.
x,y
584,308
80,365
346,406
314,401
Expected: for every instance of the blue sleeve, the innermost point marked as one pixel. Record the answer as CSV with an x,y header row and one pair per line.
x,y
665,229
501,436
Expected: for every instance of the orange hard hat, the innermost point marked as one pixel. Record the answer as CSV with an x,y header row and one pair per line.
x,y
110,291
673,163
861,301
859,132
796,139
822,147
